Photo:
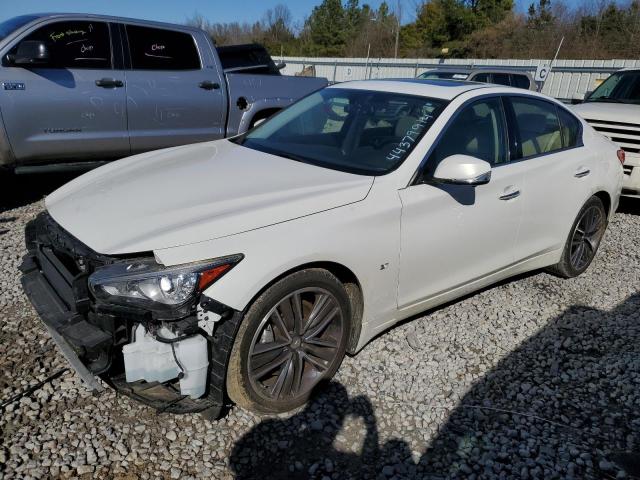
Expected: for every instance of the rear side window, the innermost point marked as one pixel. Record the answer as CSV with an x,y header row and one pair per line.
x,y
481,77
537,127
159,49
75,44
570,126
501,79
520,81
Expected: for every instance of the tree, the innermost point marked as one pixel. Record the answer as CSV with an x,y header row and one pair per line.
x,y
327,30
277,28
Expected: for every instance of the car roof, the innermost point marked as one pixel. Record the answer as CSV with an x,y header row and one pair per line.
x,y
443,89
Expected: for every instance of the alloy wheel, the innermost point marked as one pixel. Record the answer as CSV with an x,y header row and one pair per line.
x,y
586,237
295,344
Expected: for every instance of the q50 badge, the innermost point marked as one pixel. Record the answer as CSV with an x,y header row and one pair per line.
x,y
13,85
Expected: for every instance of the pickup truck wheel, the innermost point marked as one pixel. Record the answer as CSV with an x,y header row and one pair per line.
x,y
292,337
584,239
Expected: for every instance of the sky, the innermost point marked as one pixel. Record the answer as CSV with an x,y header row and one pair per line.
x,y
177,11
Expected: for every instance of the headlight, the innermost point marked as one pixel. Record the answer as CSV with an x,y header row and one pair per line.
x,y
145,283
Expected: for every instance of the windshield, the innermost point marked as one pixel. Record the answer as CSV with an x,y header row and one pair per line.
x,y
621,87
444,76
11,25
357,131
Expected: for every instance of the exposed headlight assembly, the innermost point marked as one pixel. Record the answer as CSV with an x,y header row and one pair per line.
x,y
149,285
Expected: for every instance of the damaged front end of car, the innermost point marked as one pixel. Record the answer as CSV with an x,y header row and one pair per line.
x,y
146,329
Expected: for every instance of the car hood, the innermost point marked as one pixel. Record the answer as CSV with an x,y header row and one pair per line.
x,y
193,193
608,111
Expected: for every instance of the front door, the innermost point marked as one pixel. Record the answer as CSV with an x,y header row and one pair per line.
x,y
73,106
454,234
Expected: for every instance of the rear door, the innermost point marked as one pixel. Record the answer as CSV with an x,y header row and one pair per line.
x,y
175,93
73,106
558,171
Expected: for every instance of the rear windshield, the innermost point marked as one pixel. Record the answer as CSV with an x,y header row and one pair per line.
x,y
247,57
444,76
357,131
9,26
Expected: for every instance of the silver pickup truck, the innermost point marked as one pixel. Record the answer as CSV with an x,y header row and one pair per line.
x,y
78,90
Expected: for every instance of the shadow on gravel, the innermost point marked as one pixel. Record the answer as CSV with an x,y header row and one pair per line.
x,y
19,190
629,205
565,404
302,446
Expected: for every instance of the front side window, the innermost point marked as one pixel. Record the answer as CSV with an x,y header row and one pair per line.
x,y
77,44
537,128
159,49
478,131
621,87
358,131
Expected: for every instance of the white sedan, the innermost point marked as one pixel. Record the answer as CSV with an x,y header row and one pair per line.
x,y
248,267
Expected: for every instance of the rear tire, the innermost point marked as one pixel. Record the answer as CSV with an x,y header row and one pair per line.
x,y
291,338
584,239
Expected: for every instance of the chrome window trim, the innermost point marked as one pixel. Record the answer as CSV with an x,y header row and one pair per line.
x,y
502,96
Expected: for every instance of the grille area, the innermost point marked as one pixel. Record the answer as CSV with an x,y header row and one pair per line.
x,y
627,135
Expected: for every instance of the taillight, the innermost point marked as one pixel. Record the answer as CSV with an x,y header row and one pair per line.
x,y
621,156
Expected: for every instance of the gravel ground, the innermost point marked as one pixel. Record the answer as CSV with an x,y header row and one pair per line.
x,y
534,378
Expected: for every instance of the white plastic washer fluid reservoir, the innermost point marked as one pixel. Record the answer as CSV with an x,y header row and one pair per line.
x,y
148,359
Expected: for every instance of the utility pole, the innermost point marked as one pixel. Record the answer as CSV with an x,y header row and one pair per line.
x,y
398,20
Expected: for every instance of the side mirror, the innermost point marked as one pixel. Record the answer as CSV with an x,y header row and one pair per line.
x,y
463,170
281,65
577,98
31,52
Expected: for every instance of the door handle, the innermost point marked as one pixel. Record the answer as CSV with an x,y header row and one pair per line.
x,y
209,85
109,83
511,195
582,172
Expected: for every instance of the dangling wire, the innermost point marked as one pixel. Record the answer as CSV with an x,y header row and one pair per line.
x,y
175,357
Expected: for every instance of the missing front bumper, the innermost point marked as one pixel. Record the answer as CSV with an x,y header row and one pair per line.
x,y
51,311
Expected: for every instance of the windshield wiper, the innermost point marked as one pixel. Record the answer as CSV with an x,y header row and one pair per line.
x,y
606,99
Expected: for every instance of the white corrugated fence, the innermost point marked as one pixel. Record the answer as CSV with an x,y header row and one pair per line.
x,y
568,77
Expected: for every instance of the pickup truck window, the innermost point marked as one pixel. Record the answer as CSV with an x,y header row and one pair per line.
x,y
76,44
250,58
159,49
357,131
621,87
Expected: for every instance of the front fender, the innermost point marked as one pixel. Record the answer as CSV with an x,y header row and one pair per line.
x,y
258,106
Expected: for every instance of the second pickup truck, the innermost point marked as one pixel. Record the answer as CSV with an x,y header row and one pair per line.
x,y
77,90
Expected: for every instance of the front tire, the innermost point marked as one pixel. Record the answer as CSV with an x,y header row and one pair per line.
x,y
584,239
292,337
